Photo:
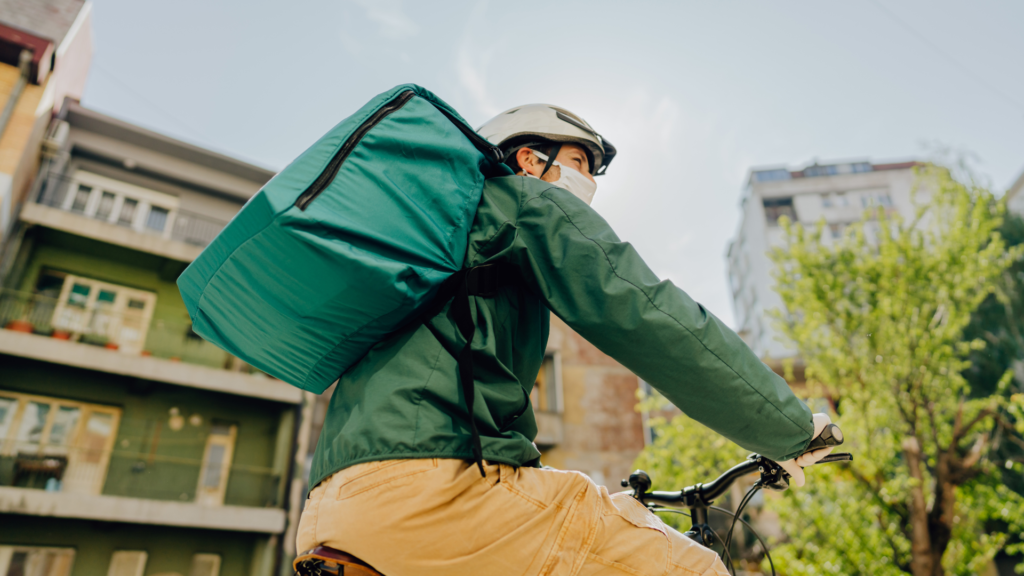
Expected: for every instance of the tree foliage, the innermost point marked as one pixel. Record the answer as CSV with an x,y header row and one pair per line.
x,y
879,320
882,320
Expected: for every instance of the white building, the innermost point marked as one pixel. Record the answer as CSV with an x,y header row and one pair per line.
x,y
1015,196
838,193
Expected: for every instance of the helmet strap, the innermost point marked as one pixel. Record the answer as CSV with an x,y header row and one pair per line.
x,y
551,158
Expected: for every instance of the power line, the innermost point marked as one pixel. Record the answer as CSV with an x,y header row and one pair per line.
x,y
949,58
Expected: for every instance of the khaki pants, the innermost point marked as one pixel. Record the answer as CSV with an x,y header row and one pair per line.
x,y
438,517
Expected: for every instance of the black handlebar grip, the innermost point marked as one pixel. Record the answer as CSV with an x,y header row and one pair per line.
x,y
830,436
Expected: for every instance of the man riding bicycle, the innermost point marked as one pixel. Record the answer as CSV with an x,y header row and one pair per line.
x,y
418,472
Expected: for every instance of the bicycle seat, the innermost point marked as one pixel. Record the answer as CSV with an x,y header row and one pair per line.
x,y
326,561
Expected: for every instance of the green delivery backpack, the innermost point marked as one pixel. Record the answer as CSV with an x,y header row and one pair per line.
x,y
347,244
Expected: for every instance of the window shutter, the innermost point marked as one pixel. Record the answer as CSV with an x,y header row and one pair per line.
x,y
205,565
127,563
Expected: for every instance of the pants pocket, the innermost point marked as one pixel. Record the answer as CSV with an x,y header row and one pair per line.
x,y
394,473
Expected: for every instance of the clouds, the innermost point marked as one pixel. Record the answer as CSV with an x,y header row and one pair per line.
x,y
473,60
390,17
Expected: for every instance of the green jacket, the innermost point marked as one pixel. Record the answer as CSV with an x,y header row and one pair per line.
x,y
403,400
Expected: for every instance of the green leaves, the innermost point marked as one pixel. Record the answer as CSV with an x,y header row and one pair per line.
x,y
878,317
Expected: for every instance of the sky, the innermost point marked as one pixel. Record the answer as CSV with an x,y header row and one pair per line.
x,y
692,93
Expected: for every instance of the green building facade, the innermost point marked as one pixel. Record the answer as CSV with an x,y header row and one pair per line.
x,y
129,446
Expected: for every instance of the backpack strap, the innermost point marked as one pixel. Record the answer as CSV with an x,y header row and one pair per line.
x,y
482,281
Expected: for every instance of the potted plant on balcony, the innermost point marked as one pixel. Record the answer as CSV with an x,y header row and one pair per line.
x,y
59,334
20,325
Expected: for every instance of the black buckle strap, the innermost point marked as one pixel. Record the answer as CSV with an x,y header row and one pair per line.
x,y
483,281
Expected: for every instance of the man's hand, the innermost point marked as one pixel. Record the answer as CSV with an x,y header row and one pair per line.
x,y
795,467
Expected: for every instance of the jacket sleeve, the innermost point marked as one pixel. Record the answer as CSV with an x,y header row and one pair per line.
x,y
601,288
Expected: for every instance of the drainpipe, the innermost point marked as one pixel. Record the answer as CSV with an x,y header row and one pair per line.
x,y
25,64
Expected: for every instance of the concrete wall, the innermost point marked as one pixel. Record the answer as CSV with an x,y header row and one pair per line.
x,y
603,433
117,265
86,141
19,142
150,458
170,550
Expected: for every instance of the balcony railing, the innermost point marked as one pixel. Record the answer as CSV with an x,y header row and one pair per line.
x,y
129,332
134,473
189,227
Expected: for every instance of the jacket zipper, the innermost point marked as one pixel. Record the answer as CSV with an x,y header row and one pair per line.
x,y
327,176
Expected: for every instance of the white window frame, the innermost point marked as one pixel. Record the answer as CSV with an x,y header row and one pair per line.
x,y
213,566
147,199
128,563
74,475
207,496
78,320
65,556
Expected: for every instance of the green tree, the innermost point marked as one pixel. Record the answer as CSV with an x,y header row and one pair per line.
x,y
999,320
879,319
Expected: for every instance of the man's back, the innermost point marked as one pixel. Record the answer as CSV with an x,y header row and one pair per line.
x,y
403,400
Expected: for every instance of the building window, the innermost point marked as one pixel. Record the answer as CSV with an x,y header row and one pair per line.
x,y
213,477
120,203
157,219
547,389
55,445
205,565
771,175
775,208
81,199
836,230
127,215
127,563
99,312
34,561
106,207
876,199
812,171
826,200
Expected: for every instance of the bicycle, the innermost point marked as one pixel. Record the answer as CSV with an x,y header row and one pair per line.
x,y
325,561
699,497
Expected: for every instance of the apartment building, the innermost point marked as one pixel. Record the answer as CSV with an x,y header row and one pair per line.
x,y
129,446
838,193
45,51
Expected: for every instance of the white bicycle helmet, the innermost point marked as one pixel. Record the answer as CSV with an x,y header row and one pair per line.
x,y
543,124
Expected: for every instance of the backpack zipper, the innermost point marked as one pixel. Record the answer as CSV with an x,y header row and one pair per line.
x,y
327,176
481,143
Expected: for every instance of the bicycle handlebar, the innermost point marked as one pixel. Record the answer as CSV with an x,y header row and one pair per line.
x,y
773,476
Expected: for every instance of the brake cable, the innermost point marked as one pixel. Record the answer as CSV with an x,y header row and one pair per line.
x,y
727,556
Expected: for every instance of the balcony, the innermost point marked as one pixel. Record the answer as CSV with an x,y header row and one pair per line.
x,y
140,511
74,459
117,213
128,342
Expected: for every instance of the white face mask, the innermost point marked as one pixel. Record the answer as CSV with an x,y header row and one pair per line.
x,y
570,179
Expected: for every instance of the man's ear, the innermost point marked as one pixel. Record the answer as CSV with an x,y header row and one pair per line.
x,y
525,158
